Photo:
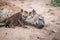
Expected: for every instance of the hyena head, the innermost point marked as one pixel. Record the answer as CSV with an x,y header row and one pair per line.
x,y
35,19
24,14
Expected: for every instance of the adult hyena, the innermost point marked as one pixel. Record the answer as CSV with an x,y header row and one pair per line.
x,y
25,18
35,19
14,20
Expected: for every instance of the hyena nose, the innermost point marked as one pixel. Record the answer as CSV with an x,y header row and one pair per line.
x,y
39,25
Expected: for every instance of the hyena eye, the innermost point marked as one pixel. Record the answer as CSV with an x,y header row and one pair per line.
x,y
40,19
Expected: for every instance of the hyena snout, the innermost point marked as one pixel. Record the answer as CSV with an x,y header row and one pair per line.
x,y
40,23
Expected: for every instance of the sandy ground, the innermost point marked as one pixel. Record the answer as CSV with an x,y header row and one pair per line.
x,y
52,23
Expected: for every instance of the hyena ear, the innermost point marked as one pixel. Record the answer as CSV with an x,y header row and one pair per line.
x,y
32,13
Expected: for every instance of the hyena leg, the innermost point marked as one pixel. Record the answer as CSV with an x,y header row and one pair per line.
x,y
11,24
22,24
7,23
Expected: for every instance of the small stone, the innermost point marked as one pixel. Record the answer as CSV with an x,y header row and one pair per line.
x,y
54,31
52,13
58,23
38,37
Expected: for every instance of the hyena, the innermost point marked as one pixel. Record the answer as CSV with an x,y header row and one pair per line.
x,y
35,19
14,20
28,17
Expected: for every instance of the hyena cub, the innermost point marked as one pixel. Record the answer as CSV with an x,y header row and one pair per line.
x,y
14,20
35,19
